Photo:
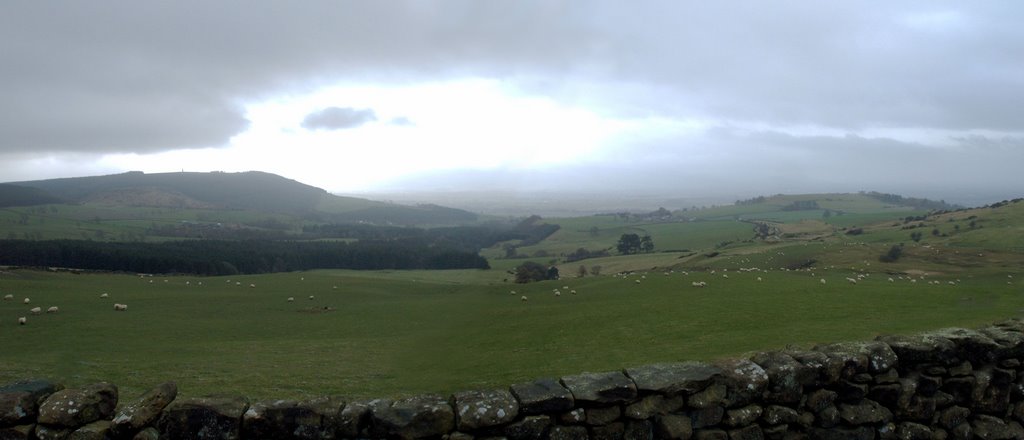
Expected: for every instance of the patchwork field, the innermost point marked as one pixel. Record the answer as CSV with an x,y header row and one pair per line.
x,y
388,334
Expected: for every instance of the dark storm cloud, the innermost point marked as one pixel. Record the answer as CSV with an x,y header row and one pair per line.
x,y
337,118
144,76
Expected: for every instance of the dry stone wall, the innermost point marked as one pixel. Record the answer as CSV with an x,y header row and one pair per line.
x,y
950,384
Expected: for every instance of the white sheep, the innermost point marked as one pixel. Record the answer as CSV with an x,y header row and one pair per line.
x,y
511,292
252,286
52,310
758,278
291,299
8,297
572,292
558,293
637,281
104,295
120,307
523,298
35,310
26,301
311,297
851,280
822,281
891,280
22,320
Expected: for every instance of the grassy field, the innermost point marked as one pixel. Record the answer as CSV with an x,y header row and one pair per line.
x,y
394,333
390,334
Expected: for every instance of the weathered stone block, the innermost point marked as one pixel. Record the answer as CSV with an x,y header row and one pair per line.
x,y
656,404
866,412
600,388
673,426
98,430
574,417
603,416
991,428
218,417
972,345
714,395
413,418
818,400
529,428
288,419
872,357
19,401
953,417
542,396
142,412
961,388
913,350
74,407
786,377
963,431
777,415
913,431
742,416
482,409
827,368
44,432
775,432
354,418
675,378
744,380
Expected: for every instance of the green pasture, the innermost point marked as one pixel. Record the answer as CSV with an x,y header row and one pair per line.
x,y
400,333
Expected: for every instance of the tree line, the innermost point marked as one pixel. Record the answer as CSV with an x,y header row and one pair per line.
x,y
220,257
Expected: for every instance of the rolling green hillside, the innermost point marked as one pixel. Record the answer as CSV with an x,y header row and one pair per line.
x,y
135,206
14,195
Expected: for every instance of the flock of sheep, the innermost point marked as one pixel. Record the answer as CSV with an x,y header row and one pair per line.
x,y
23,320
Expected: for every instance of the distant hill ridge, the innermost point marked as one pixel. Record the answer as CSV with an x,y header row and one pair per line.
x,y
250,190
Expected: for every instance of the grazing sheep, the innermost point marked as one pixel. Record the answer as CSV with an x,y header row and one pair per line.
x,y
22,320
311,297
35,310
52,310
104,295
638,281
8,297
891,280
725,276
120,307
523,298
758,278
851,280
291,299
822,281
698,284
913,280
572,292
511,292
26,301
558,293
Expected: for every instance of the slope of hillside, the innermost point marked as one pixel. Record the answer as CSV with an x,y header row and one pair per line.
x,y
15,195
251,191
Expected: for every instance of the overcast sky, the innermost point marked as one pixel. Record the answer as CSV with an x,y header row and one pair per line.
x,y
678,97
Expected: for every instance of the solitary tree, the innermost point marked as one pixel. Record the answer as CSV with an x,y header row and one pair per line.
x,y
646,244
628,244
595,270
582,271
